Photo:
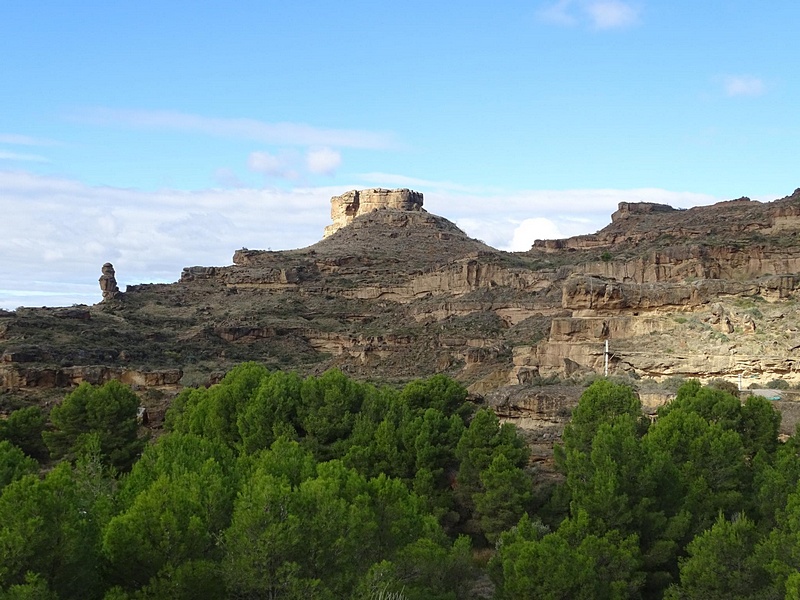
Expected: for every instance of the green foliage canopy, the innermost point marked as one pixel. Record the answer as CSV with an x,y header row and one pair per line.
x,y
108,411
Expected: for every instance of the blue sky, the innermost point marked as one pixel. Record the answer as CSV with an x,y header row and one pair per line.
x,y
158,135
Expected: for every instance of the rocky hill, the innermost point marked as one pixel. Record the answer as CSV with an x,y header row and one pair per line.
x,y
393,292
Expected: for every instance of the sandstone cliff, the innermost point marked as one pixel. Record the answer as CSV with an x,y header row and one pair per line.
x,y
352,204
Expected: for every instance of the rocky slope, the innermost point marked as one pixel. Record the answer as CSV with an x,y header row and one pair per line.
x,y
393,292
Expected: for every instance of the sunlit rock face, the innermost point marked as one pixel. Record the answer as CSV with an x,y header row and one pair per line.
x,y
354,203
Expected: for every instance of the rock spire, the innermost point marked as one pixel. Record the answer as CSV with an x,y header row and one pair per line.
x,y
108,282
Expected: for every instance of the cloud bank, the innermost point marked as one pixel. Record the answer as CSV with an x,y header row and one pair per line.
x,y
56,233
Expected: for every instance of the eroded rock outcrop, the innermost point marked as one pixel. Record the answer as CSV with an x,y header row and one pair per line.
x,y
15,377
354,203
108,282
627,209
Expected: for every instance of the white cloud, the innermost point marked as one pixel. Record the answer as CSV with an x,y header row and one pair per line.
x,y
558,13
274,165
292,134
26,140
529,230
291,165
598,14
16,156
323,161
611,14
743,85
16,139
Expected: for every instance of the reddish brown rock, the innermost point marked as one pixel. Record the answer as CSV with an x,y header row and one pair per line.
x,y
108,282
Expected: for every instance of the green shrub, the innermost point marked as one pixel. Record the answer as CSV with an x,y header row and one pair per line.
x,y
725,386
778,384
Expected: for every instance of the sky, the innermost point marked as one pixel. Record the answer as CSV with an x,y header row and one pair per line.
x,y
163,134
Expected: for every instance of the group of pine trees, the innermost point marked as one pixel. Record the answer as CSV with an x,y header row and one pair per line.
x,y
268,485
264,486
696,505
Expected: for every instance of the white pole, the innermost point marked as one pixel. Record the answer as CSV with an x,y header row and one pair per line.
x,y
605,370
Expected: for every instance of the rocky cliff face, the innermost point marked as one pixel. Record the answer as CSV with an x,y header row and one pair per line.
x,y
393,292
352,204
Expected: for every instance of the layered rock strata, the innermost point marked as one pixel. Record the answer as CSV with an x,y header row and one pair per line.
x,y
355,203
394,292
